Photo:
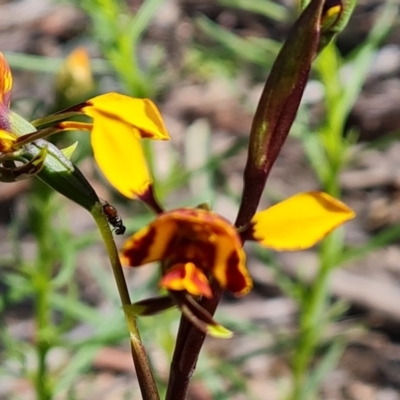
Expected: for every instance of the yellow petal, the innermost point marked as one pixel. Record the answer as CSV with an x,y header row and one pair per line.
x,y
118,153
141,115
120,156
229,267
118,124
5,81
186,276
149,243
7,141
300,221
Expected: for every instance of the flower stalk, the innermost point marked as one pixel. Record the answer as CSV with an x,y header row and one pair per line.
x,y
143,370
188,345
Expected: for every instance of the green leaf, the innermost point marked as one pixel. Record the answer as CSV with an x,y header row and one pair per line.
x,y
68,151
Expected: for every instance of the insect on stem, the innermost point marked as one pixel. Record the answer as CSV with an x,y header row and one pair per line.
x,y
113,218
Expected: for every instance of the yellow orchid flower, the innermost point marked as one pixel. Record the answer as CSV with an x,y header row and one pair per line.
x,y
119,124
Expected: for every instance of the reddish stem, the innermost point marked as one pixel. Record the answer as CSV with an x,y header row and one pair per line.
x,y
188,345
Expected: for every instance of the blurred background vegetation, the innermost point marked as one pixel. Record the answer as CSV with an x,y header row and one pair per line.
x,y
204,63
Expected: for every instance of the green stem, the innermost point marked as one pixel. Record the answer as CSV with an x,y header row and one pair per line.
x,y
42,317
313,317
312,323
143,370
41,278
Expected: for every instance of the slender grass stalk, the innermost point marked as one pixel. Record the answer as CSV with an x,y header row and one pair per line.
x,y
314,308
143,370
41,279
313,317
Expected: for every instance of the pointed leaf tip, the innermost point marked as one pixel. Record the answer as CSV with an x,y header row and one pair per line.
x,y
219,331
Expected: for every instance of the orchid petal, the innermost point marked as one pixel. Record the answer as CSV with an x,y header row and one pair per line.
x,y
148,244
185,276
229,267
181,237
119,123
300,221
120,157
7,141
5,81
141,115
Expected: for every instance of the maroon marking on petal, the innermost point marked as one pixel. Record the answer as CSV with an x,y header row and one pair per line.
x,y
146,135
236,281
149,198
188,248
140,250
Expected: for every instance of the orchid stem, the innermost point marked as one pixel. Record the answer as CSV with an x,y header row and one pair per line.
x,y
187,349
143,370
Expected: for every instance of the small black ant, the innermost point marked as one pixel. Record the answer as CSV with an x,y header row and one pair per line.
x,y
113,218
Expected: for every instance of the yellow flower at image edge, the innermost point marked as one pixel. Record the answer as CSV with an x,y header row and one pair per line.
x,y
5,82
195,245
